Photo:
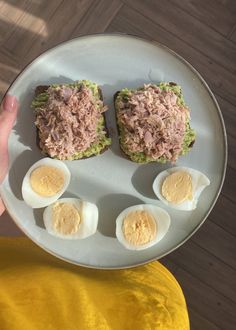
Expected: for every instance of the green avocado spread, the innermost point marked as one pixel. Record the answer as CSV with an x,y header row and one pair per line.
x,y
102,140
141,157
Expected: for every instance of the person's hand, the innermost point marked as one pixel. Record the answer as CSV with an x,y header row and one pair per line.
x,y
8,112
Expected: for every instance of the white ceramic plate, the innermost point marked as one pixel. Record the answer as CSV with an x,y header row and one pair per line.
x,y
109,180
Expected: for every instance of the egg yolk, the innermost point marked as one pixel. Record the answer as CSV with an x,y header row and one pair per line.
x,y
139,227
65,218
47,180
177,187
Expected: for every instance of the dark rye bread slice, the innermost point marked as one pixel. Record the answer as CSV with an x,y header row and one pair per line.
x,y
42,89
119,129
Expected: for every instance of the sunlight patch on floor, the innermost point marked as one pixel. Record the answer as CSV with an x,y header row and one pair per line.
x,y
26,21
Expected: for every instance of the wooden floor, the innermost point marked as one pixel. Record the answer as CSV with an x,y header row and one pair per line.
x,y
204,32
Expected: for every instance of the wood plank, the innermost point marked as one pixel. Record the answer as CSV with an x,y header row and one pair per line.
x,y
233,35
229,113
4,29
229,110
14,9
215,14
229,186
207,302
189,29
223,214
198,322
169,264
30,27
56,35
231,152
7,76
105,10
220,80
8,59
4,11
9,70
207,268
216,241
3,88
8,55
10,12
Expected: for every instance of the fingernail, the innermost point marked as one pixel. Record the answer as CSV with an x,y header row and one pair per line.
x,y
9,103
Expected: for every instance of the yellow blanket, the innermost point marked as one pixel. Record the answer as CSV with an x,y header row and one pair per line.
x,y
39,291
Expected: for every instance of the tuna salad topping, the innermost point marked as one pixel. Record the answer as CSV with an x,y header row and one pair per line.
x,y
152,122
67,122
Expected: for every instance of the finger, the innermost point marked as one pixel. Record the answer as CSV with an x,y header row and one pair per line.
x,y
8,112
2,207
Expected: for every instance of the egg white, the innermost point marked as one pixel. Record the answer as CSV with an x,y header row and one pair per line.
x,y
199,183
89,219
31,197
161,217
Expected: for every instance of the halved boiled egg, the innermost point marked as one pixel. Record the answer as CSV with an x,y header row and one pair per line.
x,y
180,187
45,182
141,226
71,218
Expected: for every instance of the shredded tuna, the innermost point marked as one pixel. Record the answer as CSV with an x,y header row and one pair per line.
x,y
153,123
67,123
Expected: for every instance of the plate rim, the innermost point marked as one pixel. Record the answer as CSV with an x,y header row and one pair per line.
x,y
204,83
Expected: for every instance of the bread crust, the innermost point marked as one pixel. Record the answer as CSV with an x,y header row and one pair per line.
x,y
118,128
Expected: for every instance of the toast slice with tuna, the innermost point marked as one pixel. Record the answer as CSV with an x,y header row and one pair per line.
x,y
153,123
70,120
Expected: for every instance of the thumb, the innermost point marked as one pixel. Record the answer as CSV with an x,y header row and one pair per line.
x,y
8,114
